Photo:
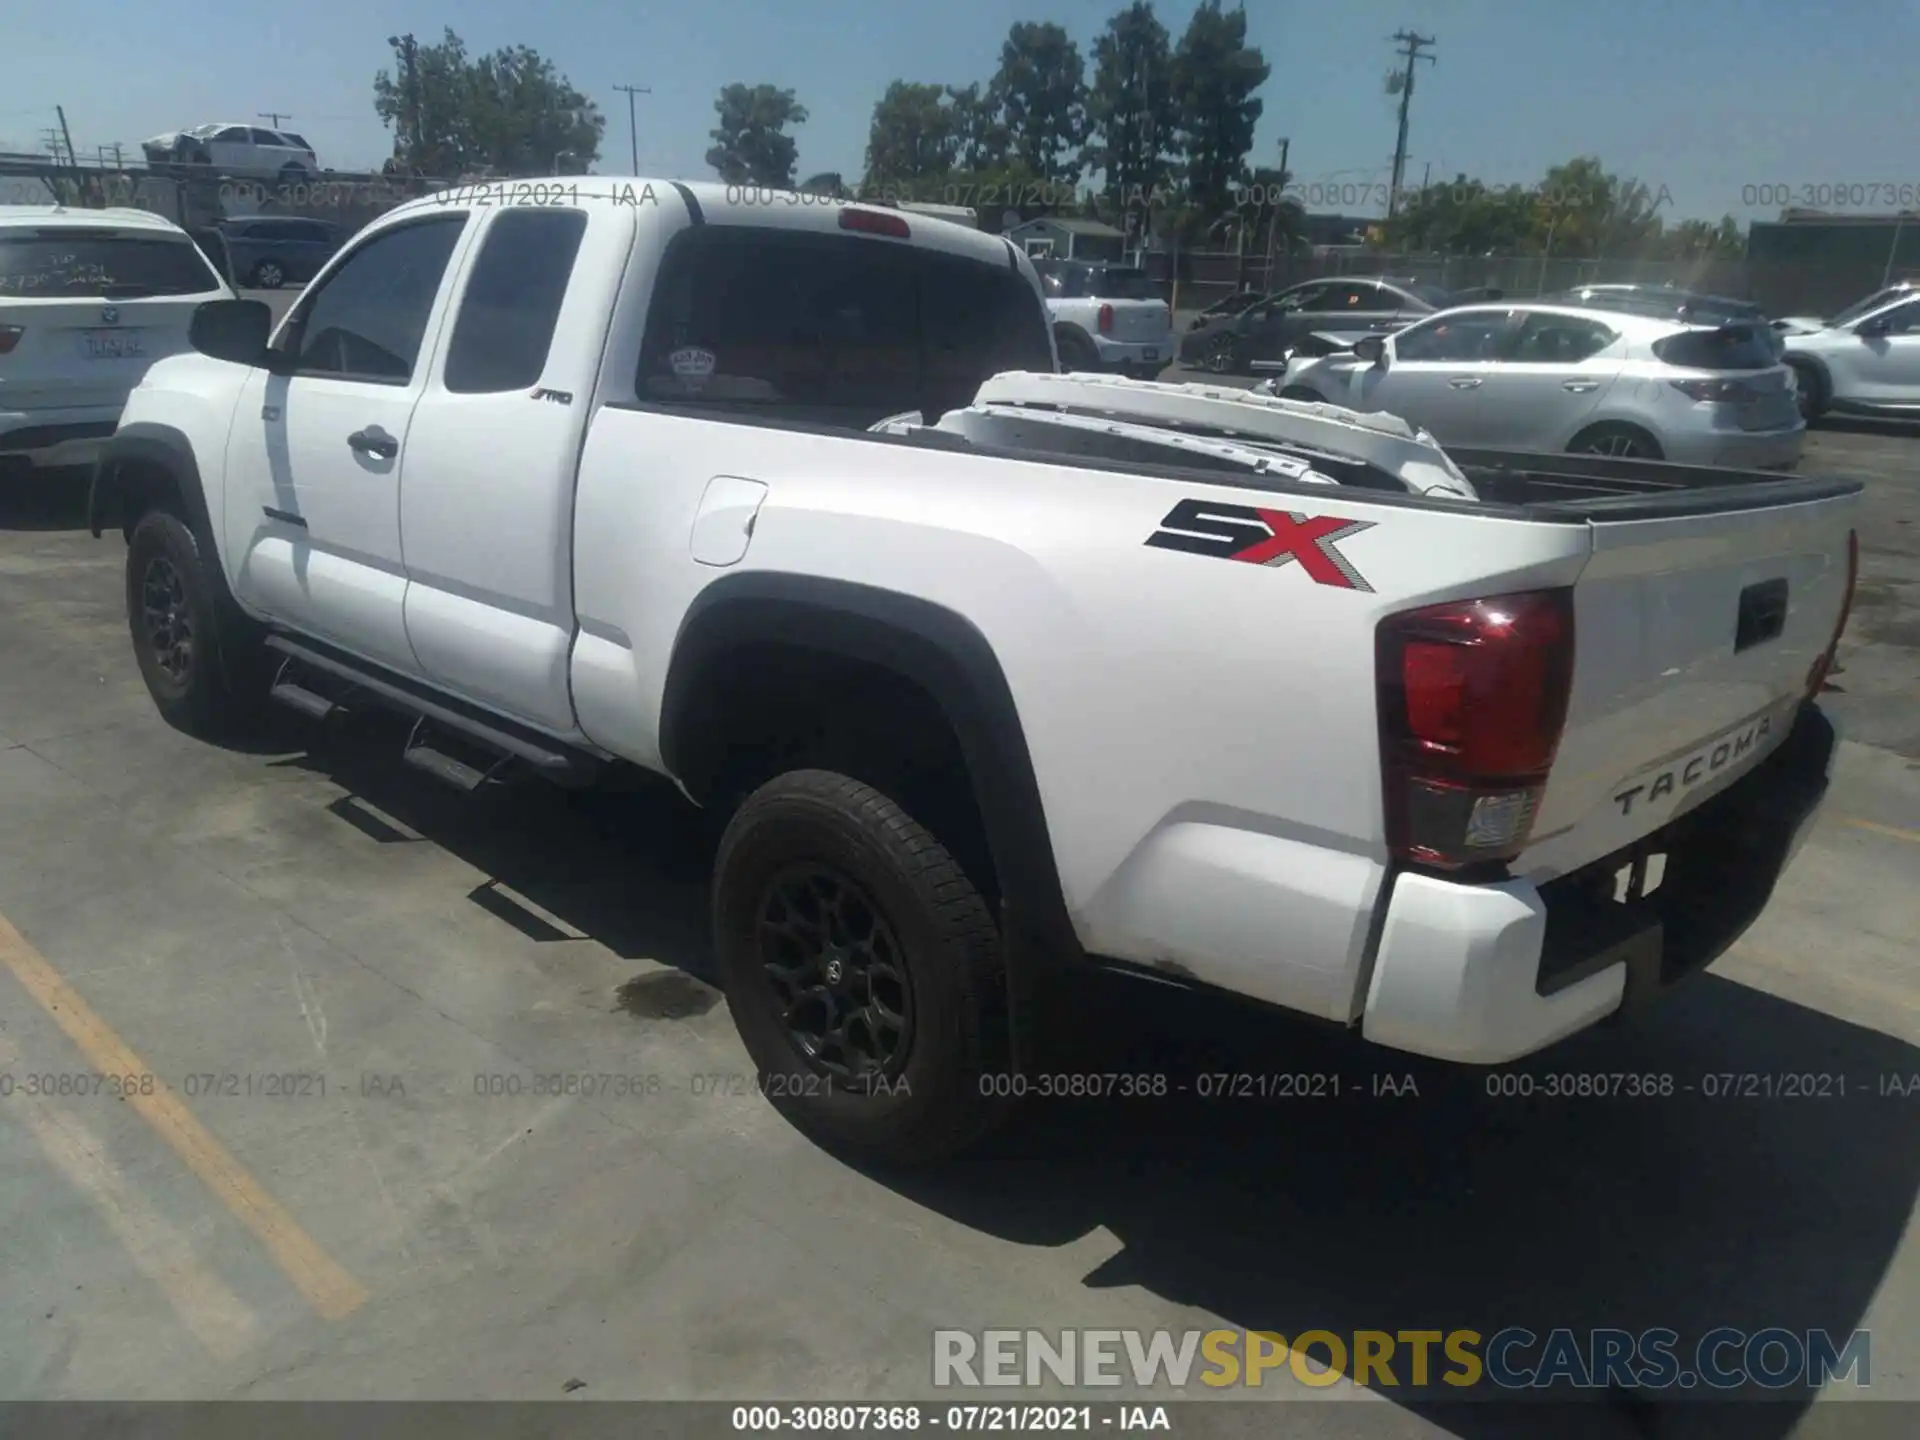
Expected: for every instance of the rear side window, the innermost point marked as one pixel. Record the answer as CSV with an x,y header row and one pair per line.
x,y
367,319
1732,347
1559,340
512,301
830,329
89,265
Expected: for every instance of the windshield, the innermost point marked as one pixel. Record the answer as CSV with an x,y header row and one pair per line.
x,y
1429,295
49,265
1863,308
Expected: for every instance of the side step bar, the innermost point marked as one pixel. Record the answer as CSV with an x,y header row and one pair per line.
x,y
549,758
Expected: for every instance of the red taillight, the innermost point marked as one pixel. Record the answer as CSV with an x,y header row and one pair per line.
x,y
1824,666
1473,698
10,337
1106,319
875,222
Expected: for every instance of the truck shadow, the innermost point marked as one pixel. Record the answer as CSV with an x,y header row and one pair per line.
x,y
1393,1194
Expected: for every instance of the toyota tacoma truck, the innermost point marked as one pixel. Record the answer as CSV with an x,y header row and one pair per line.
x,y
991,673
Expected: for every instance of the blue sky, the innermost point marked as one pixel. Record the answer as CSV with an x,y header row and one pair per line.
x,y
1708,98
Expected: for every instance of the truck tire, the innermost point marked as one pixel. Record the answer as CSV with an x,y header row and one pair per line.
x,y
862,969
197,651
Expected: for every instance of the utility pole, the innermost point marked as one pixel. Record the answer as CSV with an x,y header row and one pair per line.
x,y
1273,209
633,131
1412,44
276,116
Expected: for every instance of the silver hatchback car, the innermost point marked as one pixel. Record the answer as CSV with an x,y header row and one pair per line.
x,y
1566,378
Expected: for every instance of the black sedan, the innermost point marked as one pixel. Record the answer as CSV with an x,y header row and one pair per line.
x,y
273,250
1263,333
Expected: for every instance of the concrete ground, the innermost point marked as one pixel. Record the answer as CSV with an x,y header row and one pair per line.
x,y
356,987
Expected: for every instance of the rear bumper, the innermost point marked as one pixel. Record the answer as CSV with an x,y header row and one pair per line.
x,y
72,436
1483,974
1740,450
1154,355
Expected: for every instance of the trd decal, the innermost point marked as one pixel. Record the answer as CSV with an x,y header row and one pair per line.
x,y
1264,537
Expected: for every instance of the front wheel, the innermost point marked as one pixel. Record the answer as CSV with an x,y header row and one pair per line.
x,y
1304,393
862,969
1810,392
1222,355
196,650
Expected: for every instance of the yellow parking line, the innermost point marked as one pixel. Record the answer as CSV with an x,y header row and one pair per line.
x,y
327,1287
219,1319
1877,828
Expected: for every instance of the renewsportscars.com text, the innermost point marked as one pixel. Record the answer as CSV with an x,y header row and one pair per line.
x,y
1514,1358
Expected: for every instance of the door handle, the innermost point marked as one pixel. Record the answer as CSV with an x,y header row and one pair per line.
x,y
374,441
1580,387
1465,382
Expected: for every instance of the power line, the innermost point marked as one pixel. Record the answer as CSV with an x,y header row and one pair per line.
x,y
633,132
276,116
1411,46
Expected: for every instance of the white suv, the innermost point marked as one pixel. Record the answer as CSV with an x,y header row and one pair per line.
x,y
88,299
1864,361
232,149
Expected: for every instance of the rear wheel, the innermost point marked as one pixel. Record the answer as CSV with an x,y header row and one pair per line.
x,y
862,969
269,275
1303,392
198,652
1616,440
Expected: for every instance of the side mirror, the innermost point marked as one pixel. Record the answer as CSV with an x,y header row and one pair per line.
x,y
1373,348
234,330
1873,329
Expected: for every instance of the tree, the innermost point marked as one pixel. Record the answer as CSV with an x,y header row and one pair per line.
x,y
1463,217
503,112
1040,94
1215,73
827,182
981,136
1705,240
1130,106
751,144
915,134
1586,211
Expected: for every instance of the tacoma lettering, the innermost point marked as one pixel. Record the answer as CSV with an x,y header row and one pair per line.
x,y
1697,768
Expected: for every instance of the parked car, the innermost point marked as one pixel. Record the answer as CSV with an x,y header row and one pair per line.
x,y
1262,335
250,151
1859,310
272,250
1536,376
1226,309
88,300
1687,306
1865,361
590,490
1106,317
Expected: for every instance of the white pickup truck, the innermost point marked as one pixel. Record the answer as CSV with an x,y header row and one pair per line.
x,y
997,672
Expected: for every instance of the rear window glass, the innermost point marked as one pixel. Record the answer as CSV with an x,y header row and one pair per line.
x,y
831,329
1100,282
87,265
1733,347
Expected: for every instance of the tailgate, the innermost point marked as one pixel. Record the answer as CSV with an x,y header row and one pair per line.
x,y
86,352
1139,321
1694,635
